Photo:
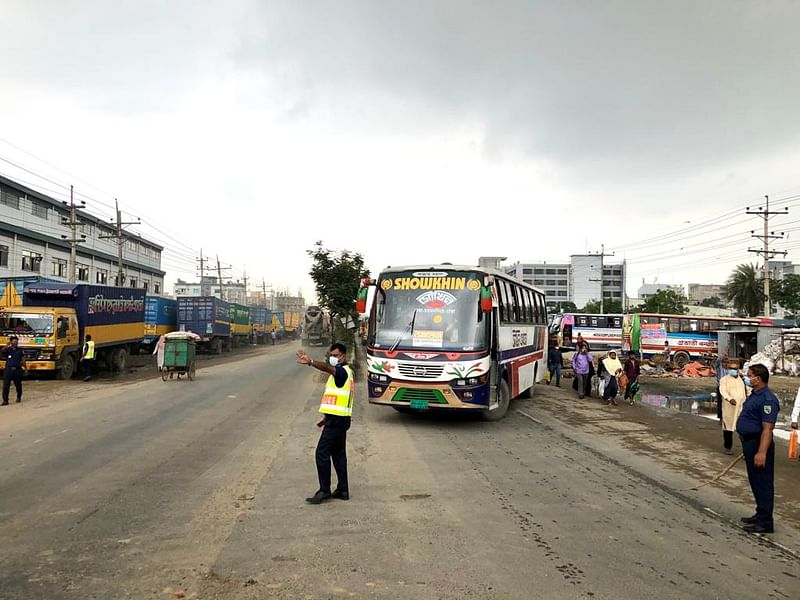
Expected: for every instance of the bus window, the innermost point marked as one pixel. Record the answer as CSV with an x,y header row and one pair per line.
x,y
533,307
649,320
674,325
510,317
705,325
519,305
593,321
526,305
501,297
692,325
617,323
542,309
582,321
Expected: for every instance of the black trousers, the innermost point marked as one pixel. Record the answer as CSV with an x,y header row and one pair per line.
x,y
332,447
12,374
87,366
727,439
762,479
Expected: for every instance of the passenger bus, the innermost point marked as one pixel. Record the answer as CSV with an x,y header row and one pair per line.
x,y
687,337
458,338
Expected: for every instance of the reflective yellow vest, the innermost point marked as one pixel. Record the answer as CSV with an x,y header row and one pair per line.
x,y
89,350
338,400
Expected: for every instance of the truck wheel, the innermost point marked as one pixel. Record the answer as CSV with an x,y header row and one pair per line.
x,y
216,346
681,359
502,407
119,359
67,368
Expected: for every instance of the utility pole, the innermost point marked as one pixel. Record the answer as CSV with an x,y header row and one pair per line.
x,y
602,256
74,240
766,252
120,240
220,268
244,278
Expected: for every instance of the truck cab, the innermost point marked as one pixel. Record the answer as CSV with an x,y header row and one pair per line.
x,y
47,336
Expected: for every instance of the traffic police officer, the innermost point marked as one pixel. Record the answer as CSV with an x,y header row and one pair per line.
x,y
87,358
755,425
337,409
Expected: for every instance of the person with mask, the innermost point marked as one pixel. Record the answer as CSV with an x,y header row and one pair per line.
x,y
612,369
337,410
754,426
732,394
581,366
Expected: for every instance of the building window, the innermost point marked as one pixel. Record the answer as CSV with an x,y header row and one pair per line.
x,y
132,282
39,210
59,268
146,286
538,282
562,271
85,228
131,245
562,282
3,256
9,198
550,282
101,277
156,288
31,261
527,271
538,271
82,272
549,271
562,292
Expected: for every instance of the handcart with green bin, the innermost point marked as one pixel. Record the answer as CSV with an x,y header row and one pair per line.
x,y
179,355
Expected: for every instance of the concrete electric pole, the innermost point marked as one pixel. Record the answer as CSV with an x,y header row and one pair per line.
x,y
120,240
74,240
766,253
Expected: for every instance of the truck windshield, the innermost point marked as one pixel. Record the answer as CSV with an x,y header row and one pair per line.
x,y
26,323
430,310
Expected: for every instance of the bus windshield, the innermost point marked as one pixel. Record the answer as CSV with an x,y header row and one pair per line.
x,y
433,310
26,324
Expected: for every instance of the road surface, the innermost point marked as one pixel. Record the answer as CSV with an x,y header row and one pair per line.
x,y
196,490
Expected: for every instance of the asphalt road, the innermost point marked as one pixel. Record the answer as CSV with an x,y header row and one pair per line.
x,y
195,490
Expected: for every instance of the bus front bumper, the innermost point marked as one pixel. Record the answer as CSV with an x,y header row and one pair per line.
x,y
428,396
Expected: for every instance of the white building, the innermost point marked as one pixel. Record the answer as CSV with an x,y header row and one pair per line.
x,y
34,241
646,290
209,286
579,281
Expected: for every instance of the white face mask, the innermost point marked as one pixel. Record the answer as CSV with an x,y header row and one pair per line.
x,y
333,361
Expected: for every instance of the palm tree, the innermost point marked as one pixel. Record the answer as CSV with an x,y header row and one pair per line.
x,y
745,289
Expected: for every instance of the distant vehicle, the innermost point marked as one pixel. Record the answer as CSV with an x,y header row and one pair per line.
x,y
240,324
53,319
316,327
160,318
292,322
688,337
261,319
451,337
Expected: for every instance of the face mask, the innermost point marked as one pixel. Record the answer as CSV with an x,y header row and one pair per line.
x,y
733,372
333,361
747,381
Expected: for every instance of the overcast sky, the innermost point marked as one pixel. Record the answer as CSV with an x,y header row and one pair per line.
x,y
414,131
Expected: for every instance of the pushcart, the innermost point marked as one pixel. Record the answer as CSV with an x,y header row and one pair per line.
x,y
179,352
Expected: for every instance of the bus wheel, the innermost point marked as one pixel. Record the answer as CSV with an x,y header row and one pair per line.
x,y
502,406
681,359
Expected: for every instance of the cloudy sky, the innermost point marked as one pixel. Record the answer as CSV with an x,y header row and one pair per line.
x,y
414,131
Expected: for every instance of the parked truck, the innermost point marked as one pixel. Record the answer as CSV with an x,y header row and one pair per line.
x,y
52,319
240,324
278,323
210,318
316,327
261,319
160,318
292,323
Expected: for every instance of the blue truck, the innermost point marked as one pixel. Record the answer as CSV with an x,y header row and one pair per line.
x,y
52,319
160,317
262,324
210,318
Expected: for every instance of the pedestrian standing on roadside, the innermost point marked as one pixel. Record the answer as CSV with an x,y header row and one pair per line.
x,y
337,409
14,367
732,394
554,364
272,336
612,369
632,370
755,425
87,358
795,410
581,362
722,366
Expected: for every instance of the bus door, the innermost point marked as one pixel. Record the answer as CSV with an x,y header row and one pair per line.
x,y
494,354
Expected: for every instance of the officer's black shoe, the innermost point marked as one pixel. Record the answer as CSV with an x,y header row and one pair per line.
x,y
319,497
341,495
757,528
4,404
749,520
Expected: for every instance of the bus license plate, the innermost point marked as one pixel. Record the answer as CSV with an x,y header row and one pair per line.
x,y
419,404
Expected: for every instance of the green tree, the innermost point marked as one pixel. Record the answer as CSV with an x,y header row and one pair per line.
x,y
337,275
745,289
611,305
666,301
713,302
592,307
786,292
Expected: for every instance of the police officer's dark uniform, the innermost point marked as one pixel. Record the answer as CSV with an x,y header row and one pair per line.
x,y
761,406
14,359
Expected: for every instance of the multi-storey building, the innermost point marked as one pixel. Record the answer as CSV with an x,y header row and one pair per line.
x,y
35,234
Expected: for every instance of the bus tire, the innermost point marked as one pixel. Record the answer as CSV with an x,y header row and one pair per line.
x,y
502,407
681,359
67,367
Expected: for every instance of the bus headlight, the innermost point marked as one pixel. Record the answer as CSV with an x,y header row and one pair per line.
x,y
378,377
